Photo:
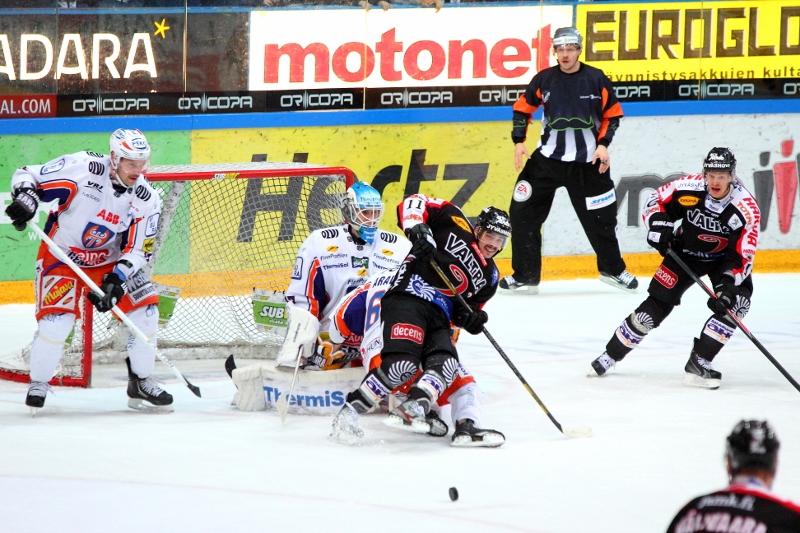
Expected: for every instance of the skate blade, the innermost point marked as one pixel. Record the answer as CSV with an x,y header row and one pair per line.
x,y
693,380
416,426
34,410
609,281
527,291
488,441
141,405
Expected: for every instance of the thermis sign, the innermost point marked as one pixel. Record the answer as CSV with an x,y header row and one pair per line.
x,y
692,40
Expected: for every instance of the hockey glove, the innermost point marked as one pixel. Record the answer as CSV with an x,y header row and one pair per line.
x,y
23,208
113,290
326,354
660,235
471,321
423,246
726,291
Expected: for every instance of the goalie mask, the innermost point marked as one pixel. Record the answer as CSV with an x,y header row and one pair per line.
x,y
493,229
362,210
720,160
752,444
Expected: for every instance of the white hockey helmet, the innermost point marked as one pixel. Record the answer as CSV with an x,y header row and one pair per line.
x,y
129,144
362,208
568,35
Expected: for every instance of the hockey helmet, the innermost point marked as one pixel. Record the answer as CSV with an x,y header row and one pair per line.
x,y
568,35
362,208
496,221
129,144
720,160
752,444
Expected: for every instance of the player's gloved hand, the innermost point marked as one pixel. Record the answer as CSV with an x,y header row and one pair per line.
x,y
23,208
660,235
726,291
470,320
423,247
113,289
325,353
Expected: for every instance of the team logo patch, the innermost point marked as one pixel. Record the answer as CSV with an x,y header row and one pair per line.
x,y
297,273
461,223
522,191
603,200
688,201
152,225
407,332
61,291
666,277
96,236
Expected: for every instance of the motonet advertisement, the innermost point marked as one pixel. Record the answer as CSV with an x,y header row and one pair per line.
x,y
486,46
692,40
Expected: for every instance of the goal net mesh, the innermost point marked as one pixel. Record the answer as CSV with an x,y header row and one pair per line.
x,y
226,230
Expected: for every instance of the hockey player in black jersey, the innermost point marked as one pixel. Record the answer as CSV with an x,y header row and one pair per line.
x,y
418,309
712,222
581,115
751,457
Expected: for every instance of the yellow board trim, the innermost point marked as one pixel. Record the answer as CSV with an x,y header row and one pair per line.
x,y
553,267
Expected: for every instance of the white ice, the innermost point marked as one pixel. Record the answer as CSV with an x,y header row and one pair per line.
x,y
87,463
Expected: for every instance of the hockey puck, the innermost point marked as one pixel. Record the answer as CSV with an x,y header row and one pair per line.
x,y
453,494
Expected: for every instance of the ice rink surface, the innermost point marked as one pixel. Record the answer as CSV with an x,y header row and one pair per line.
x,y
87,463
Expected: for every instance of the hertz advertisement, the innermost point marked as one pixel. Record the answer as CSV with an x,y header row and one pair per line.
x,y
692,40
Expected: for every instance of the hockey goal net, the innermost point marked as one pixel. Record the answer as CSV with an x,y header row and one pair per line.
x,y
226,232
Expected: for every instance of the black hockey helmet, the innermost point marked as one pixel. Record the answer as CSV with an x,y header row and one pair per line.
x,y
568,35
495,220
752,444
720,160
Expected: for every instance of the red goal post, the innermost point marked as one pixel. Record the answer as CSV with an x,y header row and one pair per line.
x,y
227,231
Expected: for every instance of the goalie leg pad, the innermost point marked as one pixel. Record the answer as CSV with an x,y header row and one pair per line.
x,y
250,384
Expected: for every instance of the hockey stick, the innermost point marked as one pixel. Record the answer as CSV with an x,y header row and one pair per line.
x,y
735,318
573,432
59,253
303,327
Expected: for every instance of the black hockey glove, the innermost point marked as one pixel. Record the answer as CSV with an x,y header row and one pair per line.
x,y
423,246
113,289
471,321
726,291
23,208
660,235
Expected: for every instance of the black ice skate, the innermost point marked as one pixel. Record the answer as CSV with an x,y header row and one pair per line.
x,y
624,281
509,285
438,427
410,416
700,373
469,436
37,393
601,365
145,394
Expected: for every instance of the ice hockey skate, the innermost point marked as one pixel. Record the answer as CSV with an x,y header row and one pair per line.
x,y
469,436
601,365
345,428
509,285
625,281
145,394
409,416
700,373
37,393
438,427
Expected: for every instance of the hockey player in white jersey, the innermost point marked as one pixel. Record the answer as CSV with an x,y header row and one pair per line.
x,y
105,218
357,315
334,261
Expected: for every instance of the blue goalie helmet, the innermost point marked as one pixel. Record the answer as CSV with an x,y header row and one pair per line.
x,y
362,209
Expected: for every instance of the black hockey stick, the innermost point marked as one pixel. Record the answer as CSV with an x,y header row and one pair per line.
x,y
574,432
735,318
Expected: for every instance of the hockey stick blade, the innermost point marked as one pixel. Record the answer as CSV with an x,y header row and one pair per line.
x,y
577,432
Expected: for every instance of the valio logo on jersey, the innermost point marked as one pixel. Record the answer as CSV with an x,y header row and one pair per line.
x,y
96,236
